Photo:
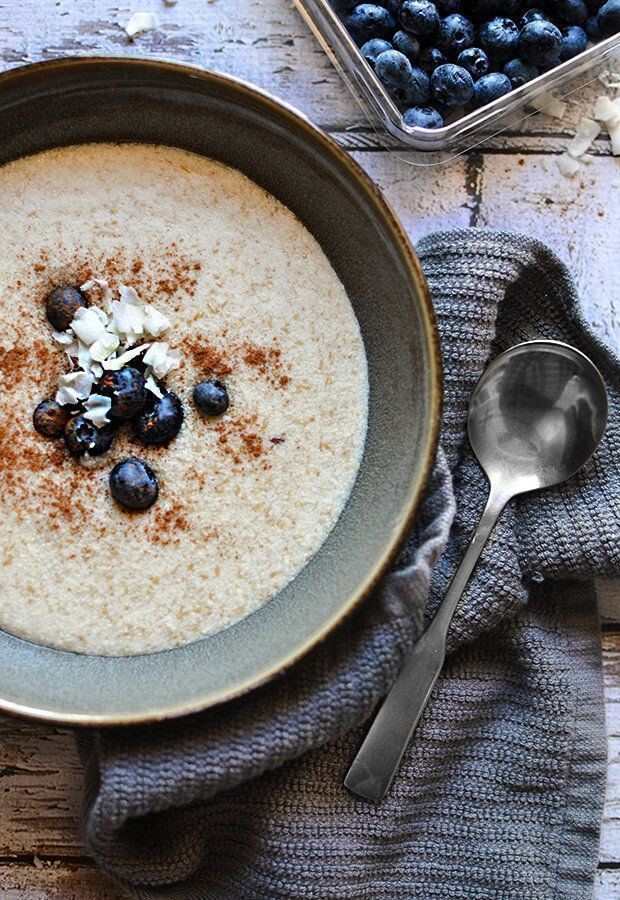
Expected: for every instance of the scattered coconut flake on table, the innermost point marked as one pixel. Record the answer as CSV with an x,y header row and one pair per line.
x,y
568,165
549,105
587,132
141,22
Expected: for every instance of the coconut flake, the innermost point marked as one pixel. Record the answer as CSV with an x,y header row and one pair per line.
x,y
117,362
141,22
587,132
155,323
549,105
88,324
606,110
127,315
152,386
97,409
161,359
73,387
614,134
105,347
568,165
64,338
103,285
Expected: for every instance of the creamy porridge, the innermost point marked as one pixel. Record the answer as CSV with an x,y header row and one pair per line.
x,y
246,497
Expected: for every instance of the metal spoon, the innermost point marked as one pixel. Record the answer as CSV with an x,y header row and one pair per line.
x,y
536,416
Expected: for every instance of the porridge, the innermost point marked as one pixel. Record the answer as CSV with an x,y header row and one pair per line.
x,y
243,330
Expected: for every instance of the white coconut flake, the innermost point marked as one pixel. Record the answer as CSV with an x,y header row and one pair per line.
x,y
587,132
73,387
89,325
550,105
614,134
128,315
161,359
606,110
97,409
64,338
155,323
103,285
152,386
105,347
141,22
568,165
116,363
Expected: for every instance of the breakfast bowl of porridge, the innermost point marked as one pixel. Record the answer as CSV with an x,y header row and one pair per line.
x,y
220,389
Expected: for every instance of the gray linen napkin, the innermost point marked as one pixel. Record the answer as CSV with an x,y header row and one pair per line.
x,y
501,791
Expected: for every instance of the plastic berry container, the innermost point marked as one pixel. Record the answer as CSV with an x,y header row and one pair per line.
x,y
472,128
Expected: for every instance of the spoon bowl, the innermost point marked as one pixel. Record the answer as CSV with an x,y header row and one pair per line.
x,y
537,415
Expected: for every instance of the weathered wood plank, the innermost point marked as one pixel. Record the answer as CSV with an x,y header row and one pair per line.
x,y
55,880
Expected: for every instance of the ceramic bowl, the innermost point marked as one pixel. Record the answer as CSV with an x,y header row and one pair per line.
x,y
82,100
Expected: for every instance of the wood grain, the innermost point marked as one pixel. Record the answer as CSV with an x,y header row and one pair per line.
x,y
512,182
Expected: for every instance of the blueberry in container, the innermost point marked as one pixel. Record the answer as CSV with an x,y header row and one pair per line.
x,y
522,51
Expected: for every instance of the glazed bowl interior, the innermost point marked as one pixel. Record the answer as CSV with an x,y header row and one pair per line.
x,y
77,101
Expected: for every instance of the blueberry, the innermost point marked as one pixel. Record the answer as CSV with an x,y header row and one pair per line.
x,y
161,420
407,44
609,18
452,85
211,397
393,68
499,38
483,10
532,15
133,484
431,58
392,6
574,42
592,29
126,390
409,85
50,418
540,44
417,91
447,7
423,117
372,48
490,87
519,72
62,304
370,21
81,436
456,33
573,12
475,61
420,17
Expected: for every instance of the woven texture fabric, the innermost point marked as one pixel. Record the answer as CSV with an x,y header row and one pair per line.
x,y
500,793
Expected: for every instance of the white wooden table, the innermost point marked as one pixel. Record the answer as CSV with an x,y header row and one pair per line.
x,y
512,184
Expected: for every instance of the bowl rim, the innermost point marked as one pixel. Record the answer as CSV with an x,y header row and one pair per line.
x,y
416,487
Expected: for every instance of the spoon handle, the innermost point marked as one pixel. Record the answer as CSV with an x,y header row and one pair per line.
x,y
378,759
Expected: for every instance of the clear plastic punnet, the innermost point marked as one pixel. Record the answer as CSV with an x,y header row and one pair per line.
x,y
471,129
